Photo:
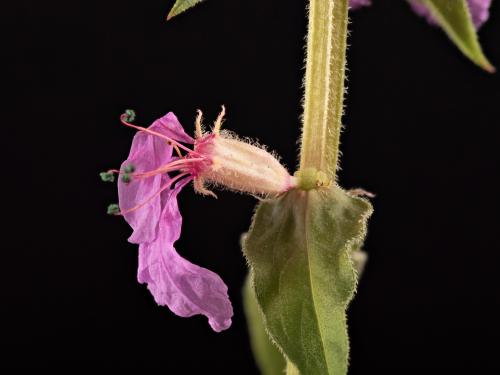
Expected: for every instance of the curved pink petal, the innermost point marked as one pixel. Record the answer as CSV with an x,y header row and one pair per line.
x,y
148,152
479,10
419,8
169,125
185,288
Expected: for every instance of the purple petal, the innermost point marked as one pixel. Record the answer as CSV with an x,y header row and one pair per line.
x,y
148,152
185,288
479,10
355,4
171,127
419,8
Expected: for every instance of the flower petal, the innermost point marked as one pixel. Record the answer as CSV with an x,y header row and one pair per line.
x,y
479,10
185,288
355,4
147,153
422,10
169,125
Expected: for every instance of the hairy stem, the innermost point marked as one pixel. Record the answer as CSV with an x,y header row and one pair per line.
x,y
324,85
291,369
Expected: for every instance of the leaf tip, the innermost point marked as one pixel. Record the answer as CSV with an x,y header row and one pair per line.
x,y
489,68
485,65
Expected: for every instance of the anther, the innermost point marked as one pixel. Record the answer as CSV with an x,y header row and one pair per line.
x,y
129,115
113,209
129,168
107,176
126,178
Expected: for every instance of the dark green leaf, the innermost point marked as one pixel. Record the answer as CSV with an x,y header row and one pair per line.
x,y
299,251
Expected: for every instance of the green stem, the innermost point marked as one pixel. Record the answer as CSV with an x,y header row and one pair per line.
x,y
324,85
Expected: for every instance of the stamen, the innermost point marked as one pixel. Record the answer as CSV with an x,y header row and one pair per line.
x,y
123,119
129,168
126,178
164,187
113,209
114,171
130,113
170,167
177,150
107,176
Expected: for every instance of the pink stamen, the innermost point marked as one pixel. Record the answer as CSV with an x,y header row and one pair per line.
x,y
152,132
170,167
177,150
164,187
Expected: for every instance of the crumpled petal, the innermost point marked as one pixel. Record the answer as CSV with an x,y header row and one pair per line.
x,y
185,288
422,10
148,152
355,4
171,127
479,10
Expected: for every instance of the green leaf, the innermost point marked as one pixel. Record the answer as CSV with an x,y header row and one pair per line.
x,y
298,248
268,357
181,6
455,19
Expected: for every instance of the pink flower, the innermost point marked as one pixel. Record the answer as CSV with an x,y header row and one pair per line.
x,y
151,179
479,11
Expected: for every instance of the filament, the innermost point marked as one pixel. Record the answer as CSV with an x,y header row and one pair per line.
x,y
164,187
152,132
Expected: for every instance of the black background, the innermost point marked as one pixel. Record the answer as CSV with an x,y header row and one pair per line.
x,y
421,132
